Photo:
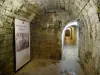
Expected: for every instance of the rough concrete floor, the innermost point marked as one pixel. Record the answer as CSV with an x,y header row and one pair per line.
x,y
68,66
70,57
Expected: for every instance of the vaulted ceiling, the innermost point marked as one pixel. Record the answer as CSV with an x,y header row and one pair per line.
x,y
29,8
72,7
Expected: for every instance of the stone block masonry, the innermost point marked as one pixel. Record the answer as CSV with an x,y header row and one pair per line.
x,y
10,9
44,39
87,11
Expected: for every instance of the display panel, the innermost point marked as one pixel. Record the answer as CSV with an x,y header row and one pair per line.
x,y
22,43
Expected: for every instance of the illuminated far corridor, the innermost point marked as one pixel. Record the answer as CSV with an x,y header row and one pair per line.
x,y
49,37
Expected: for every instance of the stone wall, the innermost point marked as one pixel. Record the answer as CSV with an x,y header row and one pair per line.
x,y
46,36
10,9
89,38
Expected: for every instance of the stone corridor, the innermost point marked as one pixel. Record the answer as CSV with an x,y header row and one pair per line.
x,y
49,37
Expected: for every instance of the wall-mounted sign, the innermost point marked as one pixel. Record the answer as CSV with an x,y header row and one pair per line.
x,y
22,43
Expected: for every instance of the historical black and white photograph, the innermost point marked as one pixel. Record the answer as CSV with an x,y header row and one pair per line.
x,y
22,41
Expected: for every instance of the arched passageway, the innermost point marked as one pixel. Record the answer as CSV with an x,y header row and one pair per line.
x,y
47,19
70,40
70,37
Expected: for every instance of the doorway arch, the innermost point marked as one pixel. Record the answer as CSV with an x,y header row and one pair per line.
x,y
70,24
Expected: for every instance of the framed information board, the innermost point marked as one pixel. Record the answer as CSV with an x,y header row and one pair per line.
x,y
22,43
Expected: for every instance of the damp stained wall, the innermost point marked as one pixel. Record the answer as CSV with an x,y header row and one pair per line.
x,y
45,39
